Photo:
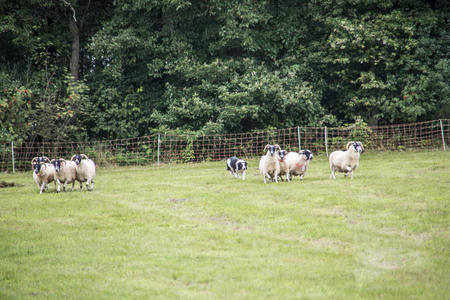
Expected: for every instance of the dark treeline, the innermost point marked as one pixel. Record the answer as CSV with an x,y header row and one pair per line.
x,y
104,69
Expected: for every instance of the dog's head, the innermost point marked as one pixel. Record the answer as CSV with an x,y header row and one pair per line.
x,y
241,165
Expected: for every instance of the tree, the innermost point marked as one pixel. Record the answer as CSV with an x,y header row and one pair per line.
x,y
383,57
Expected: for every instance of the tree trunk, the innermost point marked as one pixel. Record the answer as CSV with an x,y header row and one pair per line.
x,y
75,58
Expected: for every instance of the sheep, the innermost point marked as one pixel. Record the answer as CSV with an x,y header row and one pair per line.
x,y
281,155
346,161
85,170
296,164
43,174
65,171
235,166
269,166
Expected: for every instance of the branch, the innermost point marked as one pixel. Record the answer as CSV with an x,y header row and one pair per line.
x,y
68,4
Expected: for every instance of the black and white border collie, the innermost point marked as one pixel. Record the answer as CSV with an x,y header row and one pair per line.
x,y
235,166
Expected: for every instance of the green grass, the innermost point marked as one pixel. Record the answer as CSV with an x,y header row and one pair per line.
x,y
192,231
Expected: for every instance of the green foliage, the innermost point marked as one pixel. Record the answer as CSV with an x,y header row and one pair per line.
x,y
228,66
15,111
383,58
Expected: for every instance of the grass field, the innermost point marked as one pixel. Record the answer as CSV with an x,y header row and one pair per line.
x,y
191,231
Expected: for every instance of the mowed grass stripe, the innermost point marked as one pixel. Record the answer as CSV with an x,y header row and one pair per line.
x,y
193,231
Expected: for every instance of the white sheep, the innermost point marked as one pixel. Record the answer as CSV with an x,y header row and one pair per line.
x,y
65,172
85,170
281,155
296,164
40,160
346,161
43,174
269,166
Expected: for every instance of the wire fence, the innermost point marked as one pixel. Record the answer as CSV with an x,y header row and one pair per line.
x,y
164,148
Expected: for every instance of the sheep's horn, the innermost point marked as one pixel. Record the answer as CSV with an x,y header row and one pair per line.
x,y
46,158
52,161
361,145
62,159
276,145
84,155
33,160
266,147
348,144
73,157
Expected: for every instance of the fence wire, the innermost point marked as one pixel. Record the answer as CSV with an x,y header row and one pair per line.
x,y
164,148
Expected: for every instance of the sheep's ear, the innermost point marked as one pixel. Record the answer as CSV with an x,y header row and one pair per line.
x,y
348,144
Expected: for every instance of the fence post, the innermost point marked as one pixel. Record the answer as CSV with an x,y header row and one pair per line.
x,y
299,143
159,143
326,143
12,148
442,132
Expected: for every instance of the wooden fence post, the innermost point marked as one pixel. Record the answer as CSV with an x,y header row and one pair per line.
x,y
299,143
326,143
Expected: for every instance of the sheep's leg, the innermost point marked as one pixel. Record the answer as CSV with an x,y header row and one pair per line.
x,y
301,176
243,175
42,187
276,177
348,171
231,174
64,186
332,174
59,185
267,176
73,184
92,185
287,175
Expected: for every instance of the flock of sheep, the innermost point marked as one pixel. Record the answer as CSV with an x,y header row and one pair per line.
x,y
79,168
275,164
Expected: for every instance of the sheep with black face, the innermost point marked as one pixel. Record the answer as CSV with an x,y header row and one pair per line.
x,y
65,172
43,174
85,170
346,161
269,166
297,164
